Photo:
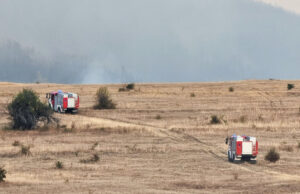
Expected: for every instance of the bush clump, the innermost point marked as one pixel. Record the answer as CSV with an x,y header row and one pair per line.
x,y
157,117
122,90
25,150
243,119
130,86
93,159
272,155
26,110
104,100
2,174
59,165
193,94
231,89
16,143
290,86
215,119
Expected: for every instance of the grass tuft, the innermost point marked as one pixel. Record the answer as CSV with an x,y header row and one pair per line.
x,y
93,159
16,143
2,174
94,145
243,119
25,150
59,165
215,119
235,176
158,117
287,148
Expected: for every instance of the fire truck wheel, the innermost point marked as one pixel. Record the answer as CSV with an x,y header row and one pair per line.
x,y
229,159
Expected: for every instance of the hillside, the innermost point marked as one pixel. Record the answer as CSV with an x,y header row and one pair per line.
x,y
158,140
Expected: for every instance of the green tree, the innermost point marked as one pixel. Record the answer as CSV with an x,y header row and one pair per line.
x,y
26,110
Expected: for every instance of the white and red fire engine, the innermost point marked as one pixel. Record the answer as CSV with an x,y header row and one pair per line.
x,y
242,148
63,101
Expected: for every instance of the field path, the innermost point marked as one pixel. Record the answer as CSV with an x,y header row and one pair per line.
x,y
215,151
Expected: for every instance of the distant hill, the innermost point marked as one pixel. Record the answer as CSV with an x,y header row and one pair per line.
x,y
147,41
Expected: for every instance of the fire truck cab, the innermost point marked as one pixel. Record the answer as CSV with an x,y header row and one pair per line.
x,y
63,101
242,148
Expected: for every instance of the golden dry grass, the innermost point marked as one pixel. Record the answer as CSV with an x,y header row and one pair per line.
x,y
179,153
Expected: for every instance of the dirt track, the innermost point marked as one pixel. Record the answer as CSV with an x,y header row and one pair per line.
x,y
212,149
180,152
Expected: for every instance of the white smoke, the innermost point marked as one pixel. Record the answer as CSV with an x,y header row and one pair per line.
x,y
101,41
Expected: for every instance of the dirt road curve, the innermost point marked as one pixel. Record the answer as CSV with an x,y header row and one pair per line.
x,y
217,152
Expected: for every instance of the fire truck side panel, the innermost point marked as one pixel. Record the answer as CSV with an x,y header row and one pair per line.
x,y
255,149
77,103
65,106
239,148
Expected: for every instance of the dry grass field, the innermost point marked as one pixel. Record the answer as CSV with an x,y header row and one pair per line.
x,y
158,140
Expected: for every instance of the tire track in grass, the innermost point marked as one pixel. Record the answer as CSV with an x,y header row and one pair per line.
x,y
212,149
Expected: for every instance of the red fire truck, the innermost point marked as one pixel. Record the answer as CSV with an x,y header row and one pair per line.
x,y
63,101
242,148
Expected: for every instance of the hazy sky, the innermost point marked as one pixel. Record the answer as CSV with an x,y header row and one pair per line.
x,y
288,5
105,41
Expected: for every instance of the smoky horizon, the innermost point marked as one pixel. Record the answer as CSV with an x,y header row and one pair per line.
x,y
117,41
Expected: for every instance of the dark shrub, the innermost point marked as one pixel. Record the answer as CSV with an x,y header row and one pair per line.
x,y
231,89
272,155
122,89
290,86
16,143
235,175
26,110
158,117
260,118
215,120
25,150
2,174
130,86
94,158
243,119
104,100
193,94
59,165
94,145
